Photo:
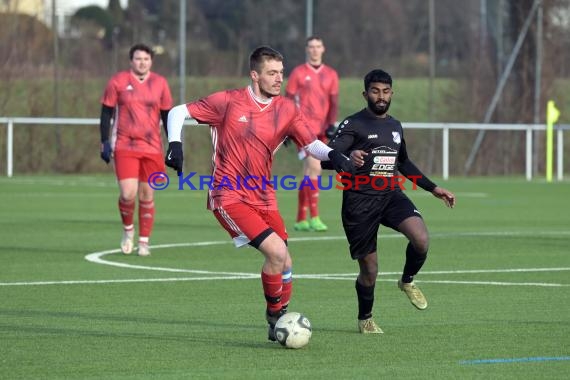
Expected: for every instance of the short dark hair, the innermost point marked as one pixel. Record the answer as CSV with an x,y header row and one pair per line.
x,y
313,37
142,47
377,75
262,54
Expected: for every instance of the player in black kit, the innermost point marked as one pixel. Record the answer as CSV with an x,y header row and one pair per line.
x,y
375,142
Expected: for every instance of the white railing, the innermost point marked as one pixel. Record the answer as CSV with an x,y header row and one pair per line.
x,y
444,127
529,128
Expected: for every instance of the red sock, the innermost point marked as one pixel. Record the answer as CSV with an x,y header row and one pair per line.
x,y
302,205
287,288
127,210
272,288
314,198
146,218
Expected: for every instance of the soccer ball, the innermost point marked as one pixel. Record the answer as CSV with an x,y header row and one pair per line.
x,y
293,330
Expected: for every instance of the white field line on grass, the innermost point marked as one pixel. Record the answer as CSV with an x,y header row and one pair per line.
x,y
96,258
89,282
496,283
78,182
251,276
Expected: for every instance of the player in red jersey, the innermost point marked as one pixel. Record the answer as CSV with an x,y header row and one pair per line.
x,y
136,99
314,86
248,126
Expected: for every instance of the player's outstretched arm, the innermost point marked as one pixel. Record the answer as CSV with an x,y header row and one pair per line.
x,y
104,126
164,118
324,153
445,195
341,163
176,117
174,155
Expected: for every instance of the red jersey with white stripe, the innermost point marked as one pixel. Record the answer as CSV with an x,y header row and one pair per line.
x,y
137,111
246,134
313,88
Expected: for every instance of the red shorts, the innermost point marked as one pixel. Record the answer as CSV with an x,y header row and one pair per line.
x,y
137,165
247,224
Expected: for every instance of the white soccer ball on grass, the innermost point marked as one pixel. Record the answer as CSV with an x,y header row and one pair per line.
x,y
293,330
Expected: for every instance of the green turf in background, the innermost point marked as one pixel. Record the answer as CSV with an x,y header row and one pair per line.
x,y
215,329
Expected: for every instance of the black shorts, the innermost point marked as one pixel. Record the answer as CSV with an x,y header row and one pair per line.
x,y
362,215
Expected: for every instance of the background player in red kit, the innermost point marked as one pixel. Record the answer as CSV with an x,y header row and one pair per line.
x,y
248,126
136,99
314,86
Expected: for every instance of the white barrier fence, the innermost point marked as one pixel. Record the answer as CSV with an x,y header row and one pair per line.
x,y
444,127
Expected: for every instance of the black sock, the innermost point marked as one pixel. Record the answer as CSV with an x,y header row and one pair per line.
x,y
365,296
414,262
407,279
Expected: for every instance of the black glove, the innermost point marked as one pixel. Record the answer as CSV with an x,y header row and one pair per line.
x,y
330,132
341,163
174,156
286,142
106,151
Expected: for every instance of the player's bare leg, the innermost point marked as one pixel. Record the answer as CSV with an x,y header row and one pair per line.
x,y
127,198
415,230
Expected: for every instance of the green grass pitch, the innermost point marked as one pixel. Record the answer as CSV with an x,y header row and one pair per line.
x,y
497,281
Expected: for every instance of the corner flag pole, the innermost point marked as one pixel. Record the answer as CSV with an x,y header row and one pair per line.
x,y
552,115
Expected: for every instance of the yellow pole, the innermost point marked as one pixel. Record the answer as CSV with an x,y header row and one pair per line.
x,y
552,115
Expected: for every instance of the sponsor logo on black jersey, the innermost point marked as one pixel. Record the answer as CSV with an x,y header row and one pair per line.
x,y
384,150
397,138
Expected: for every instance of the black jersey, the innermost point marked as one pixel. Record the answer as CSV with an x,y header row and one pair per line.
x,y
383,140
